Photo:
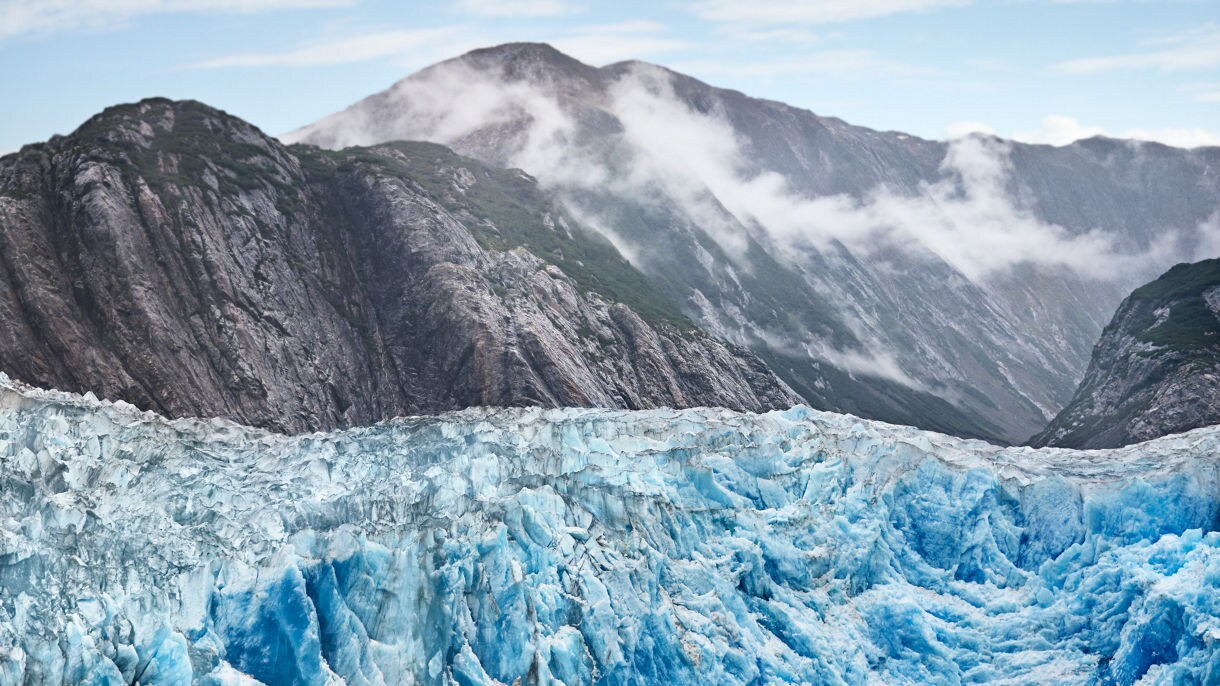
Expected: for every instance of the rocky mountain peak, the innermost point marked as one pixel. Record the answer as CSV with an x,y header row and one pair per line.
x,y
143,122
521,53
175,257
886,331
536,63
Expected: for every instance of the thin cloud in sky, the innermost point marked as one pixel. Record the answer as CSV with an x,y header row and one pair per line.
x,y
637,26
604,43
787,12
1202,92
965,128
423,43
21,17
597,44
1192,50
606,48
520,8
775,35
825,62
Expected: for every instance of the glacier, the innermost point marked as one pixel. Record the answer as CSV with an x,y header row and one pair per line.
x,y
581,546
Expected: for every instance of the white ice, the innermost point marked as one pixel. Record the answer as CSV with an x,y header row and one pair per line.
x,y
591,546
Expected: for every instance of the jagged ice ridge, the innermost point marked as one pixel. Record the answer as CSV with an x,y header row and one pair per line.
x,y
580,546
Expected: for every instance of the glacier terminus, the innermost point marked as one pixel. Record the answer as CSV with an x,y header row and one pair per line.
x,y
582,546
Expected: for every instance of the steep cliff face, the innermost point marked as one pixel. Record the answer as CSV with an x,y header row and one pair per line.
x,y
802,236
1156,369
175,257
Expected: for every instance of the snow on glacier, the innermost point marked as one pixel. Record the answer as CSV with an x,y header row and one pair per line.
x,y
591,546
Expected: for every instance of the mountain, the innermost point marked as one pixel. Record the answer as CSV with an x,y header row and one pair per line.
x,y
1156,369
955,286
582,546
175,257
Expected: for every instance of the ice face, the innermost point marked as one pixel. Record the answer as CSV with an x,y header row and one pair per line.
x,y
592,546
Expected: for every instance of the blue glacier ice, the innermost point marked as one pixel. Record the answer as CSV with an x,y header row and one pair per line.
x,y
585,546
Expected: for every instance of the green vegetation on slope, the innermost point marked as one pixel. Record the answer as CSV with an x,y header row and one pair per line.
x,y
199,139
1190,325
505,209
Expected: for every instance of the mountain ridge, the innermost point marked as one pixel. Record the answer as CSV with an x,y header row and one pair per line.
x,y
900,333
546,50
176,257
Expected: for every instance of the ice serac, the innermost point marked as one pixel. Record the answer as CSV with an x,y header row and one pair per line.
x,y
583,546
173,256
1156,369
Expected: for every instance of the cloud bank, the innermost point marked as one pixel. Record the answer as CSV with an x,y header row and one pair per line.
x,y
968,218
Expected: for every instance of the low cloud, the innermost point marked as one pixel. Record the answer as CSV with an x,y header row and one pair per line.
x,y
1208,244
870,360
876,363
673,154
967,218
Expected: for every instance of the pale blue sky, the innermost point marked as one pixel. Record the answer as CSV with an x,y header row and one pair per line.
x,y
1035,69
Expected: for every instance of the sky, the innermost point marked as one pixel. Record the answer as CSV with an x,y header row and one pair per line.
x,y
1035,70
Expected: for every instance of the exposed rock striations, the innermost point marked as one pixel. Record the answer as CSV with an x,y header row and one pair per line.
x,y
175,257
1156,369
898,334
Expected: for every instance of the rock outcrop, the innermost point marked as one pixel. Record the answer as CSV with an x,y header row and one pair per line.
x,y
1156,369
175,257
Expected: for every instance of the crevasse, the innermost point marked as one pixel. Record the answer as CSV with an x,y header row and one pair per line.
x,y
586,546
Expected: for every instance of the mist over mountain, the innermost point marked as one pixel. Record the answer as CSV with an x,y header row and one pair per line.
x,y
173,256
956,285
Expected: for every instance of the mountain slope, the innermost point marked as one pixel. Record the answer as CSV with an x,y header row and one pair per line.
x,y
956,286
1156,369
175,257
